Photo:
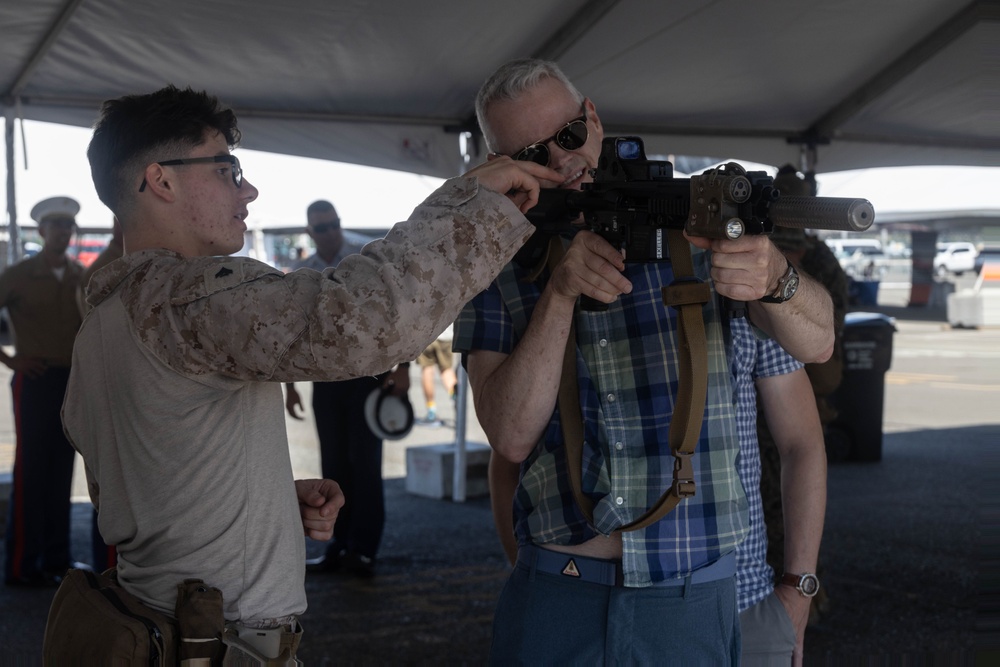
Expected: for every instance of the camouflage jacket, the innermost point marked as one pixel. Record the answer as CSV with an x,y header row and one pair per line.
x,y
174,400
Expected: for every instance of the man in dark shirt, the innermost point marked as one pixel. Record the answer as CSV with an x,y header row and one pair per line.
x,y
40,294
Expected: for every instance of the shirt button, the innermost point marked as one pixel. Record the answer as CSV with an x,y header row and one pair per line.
x,y
603,342
619,500
619,446
611,398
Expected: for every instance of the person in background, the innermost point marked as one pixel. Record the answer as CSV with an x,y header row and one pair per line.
x,y
812,256
40,294
350,453
438,357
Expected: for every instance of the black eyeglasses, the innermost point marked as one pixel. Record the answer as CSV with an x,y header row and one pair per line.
x,y
322,227
570,137
235,171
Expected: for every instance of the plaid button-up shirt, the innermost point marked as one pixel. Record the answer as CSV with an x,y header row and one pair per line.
x,y
752,359
627,373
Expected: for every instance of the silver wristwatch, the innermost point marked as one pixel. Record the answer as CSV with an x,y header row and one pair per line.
x,y
787,286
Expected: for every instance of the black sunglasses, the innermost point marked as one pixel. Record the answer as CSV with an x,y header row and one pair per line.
x,y
236,171
570,137
322,227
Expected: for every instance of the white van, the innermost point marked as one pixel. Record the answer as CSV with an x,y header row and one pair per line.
x,y
846,249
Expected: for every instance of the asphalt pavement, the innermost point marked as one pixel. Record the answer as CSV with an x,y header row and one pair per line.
x,y
902,552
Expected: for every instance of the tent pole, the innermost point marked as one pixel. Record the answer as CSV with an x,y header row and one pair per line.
x,y
807,164
458,485
13,253
460,473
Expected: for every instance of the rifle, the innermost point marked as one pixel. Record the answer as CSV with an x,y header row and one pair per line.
x,y
632,201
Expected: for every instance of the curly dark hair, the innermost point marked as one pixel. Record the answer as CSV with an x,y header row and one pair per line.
x,y
136,130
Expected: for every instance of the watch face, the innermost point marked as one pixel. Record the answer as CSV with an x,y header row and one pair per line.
x,y
809,585
791,285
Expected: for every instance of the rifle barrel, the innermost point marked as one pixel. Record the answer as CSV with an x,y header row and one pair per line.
x,y
835,213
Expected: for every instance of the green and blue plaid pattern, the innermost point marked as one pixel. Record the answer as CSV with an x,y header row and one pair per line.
x,y
752,359
627,372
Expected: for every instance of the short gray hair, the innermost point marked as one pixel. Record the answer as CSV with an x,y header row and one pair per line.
x,y
510,81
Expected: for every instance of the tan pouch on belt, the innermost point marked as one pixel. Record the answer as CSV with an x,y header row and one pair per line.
x,y
94,621
199,619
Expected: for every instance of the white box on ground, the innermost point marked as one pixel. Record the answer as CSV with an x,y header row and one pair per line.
x,y
978,306
430,470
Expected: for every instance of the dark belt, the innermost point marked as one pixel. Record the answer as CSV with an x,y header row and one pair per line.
x,y
609,572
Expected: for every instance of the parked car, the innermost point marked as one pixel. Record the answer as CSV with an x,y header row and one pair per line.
x,y
861,259
849,248
957,258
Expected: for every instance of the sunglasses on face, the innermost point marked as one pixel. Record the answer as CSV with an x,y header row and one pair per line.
x,y
323,227
235,170
570,137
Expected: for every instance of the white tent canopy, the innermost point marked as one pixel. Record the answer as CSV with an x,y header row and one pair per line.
x,y
389,84
826,84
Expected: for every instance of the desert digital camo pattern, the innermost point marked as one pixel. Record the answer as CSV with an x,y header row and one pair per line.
x,y
244,319
185,448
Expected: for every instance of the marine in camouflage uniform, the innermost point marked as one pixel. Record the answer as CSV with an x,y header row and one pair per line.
x,y
174,398
190,472
810,255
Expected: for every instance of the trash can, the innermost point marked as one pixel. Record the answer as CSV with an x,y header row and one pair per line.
x,y
860,397
863,292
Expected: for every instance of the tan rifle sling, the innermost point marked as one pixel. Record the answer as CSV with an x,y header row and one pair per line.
x,y
688,295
